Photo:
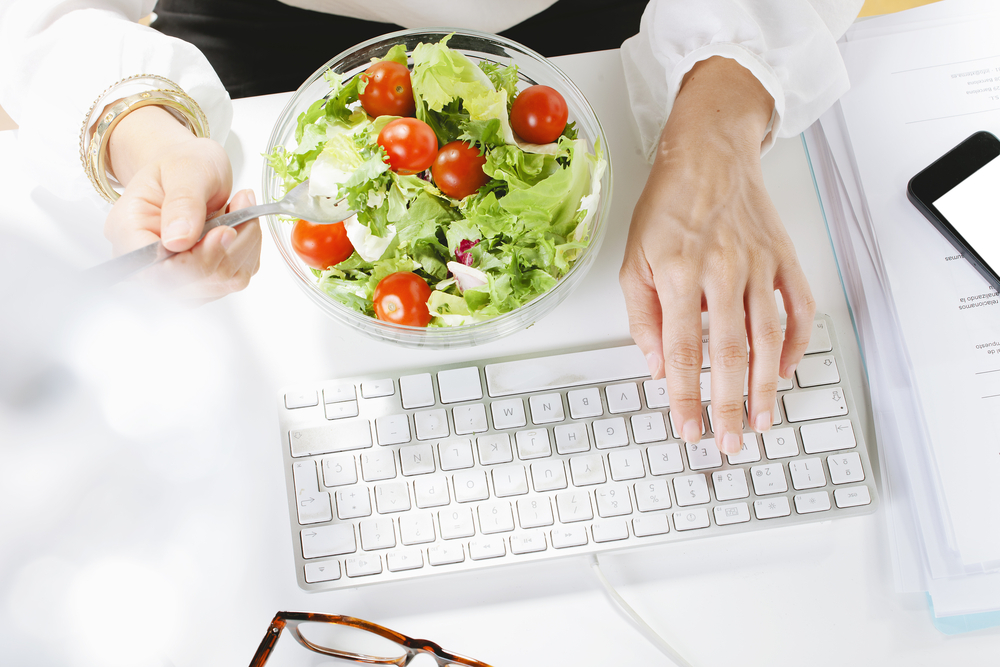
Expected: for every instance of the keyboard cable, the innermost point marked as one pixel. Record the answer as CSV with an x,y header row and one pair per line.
x,y
649,633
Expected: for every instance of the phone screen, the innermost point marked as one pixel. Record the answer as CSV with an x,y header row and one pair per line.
x,y
973,209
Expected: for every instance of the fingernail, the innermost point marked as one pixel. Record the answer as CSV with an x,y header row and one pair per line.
x,y
252,197
791,371
763,422
228,236
178,229
653,362
691,431
731,443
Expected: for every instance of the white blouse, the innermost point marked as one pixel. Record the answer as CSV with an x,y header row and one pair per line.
x,y
56,57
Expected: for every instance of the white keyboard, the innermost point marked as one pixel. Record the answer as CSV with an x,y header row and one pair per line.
x,y
470,466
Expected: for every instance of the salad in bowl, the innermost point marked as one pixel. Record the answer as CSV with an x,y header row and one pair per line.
x,y
478,173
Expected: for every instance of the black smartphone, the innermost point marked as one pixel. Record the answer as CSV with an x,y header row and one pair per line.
x,y
960,194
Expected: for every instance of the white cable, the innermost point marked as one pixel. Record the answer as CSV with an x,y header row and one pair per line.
x,y
641,625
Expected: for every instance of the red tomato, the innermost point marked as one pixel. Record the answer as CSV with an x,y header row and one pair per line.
x,y
458,169
410,143
401,298
539,114
388,91
321,246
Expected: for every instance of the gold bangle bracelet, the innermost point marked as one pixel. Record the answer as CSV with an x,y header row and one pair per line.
x,y
182,106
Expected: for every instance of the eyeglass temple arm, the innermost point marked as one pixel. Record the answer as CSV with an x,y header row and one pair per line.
x,y
267,644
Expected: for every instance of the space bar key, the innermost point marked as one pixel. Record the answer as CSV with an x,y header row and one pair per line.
x,y
565,370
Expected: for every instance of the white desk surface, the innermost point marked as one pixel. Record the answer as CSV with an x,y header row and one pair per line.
x,y
142,506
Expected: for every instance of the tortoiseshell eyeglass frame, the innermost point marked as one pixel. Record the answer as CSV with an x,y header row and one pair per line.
x,y
412,647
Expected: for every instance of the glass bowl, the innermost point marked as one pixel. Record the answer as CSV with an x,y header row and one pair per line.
x,y
533,68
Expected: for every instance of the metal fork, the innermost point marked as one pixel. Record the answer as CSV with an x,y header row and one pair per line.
x,y
297,203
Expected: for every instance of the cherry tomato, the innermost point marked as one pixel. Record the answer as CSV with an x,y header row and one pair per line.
x,y
321,246
388,91
401,298
539,114
458,169
410,143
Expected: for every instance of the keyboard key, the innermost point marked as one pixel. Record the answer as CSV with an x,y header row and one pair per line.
x,y
610,433
652,524
416,459
456,523
510,481
377,388
749,451
816,371
656,393
585,403
338,392
444,553
807,474
664,459
565,370
691,490
353,503
378,464
729,514
574,506
652,496
377,534
313,508
568,536
330,438
416,528
807,503
622,398
626,464
770,508
392,497
363,565
533,444
820,339
301,399
673,427
546,408
392,429
705,383
534,512
470,485
572,438
730,484
482,548
342,410
691,519
323,541
430,492
852,496
527,543
828,436
549,475
610,531
703,455
456,455
768,479
470,419
460,384
649,427
508,414
327,570
417,391
339,470
613,500
304,477
404,559
845,468
587,470
431,424
815,404
494,449
780,443
495,518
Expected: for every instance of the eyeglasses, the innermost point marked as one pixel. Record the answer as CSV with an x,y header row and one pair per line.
x,y
353,639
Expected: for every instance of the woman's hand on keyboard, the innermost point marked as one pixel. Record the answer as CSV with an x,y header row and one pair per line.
x,y
705,235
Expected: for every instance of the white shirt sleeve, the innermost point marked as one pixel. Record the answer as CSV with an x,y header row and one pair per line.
x,y
789,45
55,60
